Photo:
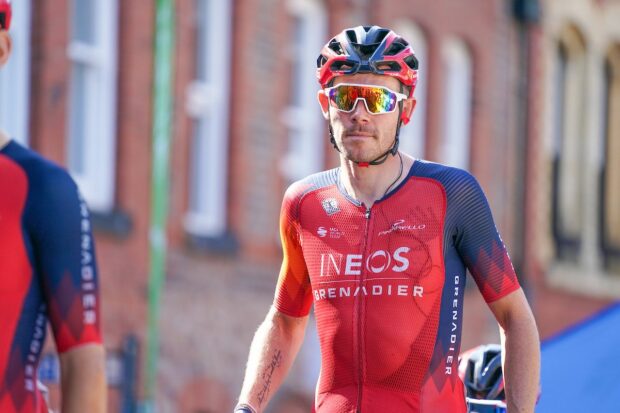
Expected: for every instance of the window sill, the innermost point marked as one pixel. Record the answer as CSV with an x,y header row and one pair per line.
x,y
225,244
591,282
116,223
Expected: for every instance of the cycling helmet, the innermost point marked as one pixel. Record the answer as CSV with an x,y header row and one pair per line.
x,y
368,49
481,372
5,14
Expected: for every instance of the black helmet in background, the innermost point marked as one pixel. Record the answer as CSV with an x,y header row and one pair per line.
x,y
480,370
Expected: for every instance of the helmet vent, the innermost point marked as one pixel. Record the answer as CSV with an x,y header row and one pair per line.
x,y
381,35
365,50
352,36
397,46
412,62
388,66
335,46
342,65
320,61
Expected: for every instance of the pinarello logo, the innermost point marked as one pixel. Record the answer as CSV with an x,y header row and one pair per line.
x,y
402,225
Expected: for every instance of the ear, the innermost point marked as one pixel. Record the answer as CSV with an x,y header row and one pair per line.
x,y
324,102
5,47
408,107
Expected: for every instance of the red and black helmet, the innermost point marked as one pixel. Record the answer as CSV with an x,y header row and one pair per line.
x,y
5,14
368,49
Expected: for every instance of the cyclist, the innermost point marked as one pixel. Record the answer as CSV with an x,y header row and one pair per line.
x,y
380,246
47,271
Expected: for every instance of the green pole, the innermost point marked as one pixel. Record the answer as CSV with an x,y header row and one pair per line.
x,y
162,130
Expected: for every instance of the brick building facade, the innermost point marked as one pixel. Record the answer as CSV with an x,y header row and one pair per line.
x,y
242,133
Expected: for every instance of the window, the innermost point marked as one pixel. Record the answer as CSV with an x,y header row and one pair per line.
x,y
458,83
584,153
208,106
610,184
15,76
568,159
92,100
306,140
413,135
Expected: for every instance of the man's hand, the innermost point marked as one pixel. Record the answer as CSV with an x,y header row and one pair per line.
x,y
83,382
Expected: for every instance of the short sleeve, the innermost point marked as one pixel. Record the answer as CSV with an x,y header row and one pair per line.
x,y
480,245
293,292
64,252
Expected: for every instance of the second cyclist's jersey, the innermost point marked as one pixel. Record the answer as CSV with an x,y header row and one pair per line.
x,y
387,285
47,272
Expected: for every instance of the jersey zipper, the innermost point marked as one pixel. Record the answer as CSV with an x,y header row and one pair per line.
x,y
367,215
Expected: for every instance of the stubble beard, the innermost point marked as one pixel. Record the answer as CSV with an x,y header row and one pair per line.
x,y
365,151
355,151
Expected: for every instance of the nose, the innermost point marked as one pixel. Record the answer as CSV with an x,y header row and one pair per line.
x,y
360,113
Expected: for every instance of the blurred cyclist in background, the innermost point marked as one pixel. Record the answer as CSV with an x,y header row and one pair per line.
x,y
381,246
47,272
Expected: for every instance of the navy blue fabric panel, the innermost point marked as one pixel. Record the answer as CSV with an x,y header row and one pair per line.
x,y
471,230
470,241
57,224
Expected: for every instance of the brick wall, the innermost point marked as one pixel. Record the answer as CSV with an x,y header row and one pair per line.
x,y
212,302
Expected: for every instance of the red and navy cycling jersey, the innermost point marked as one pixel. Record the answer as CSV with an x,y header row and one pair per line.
x,y
47,271
387,285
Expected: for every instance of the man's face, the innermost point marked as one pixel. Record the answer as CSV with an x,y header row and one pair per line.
x,y
360,135
5,47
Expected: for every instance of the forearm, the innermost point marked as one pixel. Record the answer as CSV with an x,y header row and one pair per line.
x,y
522,364
273,350
83,383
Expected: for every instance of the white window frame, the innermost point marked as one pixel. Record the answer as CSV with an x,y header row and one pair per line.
x,y
15,76
413,135
571,145
208,105
306,149
458,91
610,130
586,273
97,181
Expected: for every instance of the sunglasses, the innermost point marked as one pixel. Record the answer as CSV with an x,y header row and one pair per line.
x,y
377,99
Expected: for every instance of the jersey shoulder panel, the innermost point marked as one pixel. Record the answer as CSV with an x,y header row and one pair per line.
x,y
298,190
470,224
58,223
455,180
45,178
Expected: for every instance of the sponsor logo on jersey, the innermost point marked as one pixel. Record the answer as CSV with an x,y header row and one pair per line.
x,y
89,296
452,357
402,225
36,344
377,262
395,290
330,205
331,232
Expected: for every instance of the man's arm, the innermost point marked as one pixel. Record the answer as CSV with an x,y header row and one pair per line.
x,y
521,349
273,350
83,383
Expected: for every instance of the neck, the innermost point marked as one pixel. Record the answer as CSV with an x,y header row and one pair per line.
x,y
369,184
4,139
